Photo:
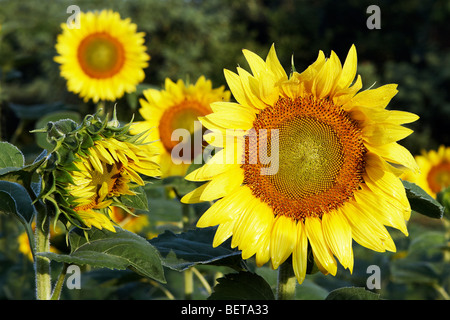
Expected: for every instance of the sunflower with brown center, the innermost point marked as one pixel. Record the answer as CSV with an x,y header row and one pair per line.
x,y
177,106
103,58
334,151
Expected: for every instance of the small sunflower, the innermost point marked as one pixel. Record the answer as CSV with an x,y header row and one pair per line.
x,y
331,179
95,165
176,107
102,59
434,173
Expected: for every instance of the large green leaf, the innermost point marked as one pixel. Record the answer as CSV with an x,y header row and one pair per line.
x,y
10,157
15,200
115,250
422,202
242,286
352,293
184,250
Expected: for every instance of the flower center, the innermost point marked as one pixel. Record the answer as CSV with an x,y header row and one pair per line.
x,y
320,159
439,177
181,116
111,178
100,55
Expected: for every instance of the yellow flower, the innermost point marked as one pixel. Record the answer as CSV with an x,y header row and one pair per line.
x,y
109,170
176,107
102,59
311,162
434,173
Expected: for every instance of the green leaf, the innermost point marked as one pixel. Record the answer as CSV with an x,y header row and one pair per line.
x,y
10,157
352,293
137,201
422,202
15,200
114,250
242,286
181,251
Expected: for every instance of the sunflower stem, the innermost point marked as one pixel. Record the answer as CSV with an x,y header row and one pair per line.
x,y
286,282
42,264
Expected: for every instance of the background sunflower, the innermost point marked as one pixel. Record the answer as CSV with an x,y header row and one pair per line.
x,y
103,58
177,106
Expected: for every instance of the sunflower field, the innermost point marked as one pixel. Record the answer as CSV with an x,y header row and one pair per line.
x,y
224,150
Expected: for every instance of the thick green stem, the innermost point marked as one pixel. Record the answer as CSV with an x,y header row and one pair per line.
x,y
286,281
42,264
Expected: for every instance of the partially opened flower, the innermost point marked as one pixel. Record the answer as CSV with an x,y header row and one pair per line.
x,y
103,58
311,163
95,165
434,173
177,106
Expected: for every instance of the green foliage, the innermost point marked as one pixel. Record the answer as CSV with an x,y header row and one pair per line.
x,y
352,294
242,286
422,202
184,250
115,250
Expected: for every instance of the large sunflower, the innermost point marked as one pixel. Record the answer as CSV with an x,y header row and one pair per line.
x,y
102,59
177,106
434,170
332,179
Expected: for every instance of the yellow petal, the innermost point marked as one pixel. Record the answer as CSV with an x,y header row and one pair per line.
x,y
384,133
275,66
235,85
300,253
375,98
226,209
322,252
338,235
395,153
282,240
223,184
256,63
348,72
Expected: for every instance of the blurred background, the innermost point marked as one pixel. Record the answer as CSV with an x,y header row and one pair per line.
x,y
190,38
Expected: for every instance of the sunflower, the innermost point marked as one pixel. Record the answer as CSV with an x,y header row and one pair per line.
x,y
110,170
177,106
434,173
313,163
102,59
95,166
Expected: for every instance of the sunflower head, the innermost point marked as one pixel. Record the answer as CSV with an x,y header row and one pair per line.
x,y
177,106
434,173
102,59
307,162
94,166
